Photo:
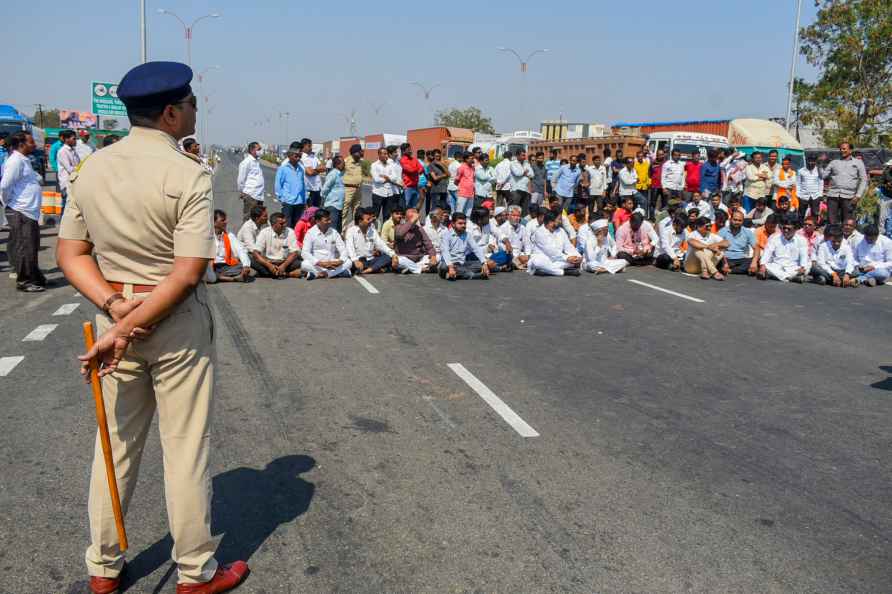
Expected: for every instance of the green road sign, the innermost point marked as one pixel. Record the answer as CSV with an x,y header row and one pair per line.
x,y
105,100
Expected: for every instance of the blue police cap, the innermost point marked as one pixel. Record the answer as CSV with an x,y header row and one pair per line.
x,y
155,84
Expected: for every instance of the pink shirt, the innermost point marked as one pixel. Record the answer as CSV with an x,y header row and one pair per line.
x,y
464,179
814,242
627,240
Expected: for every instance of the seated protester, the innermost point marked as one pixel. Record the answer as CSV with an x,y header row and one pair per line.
x,y
552,252
247,235
785,256
490,241
666,217
734,205
414,250
608,211
515,235
741,247
436,227
500,215
324,253
531,215
763,234
874,257
635,242
276,254
365,248
783,205
579,217
461,257
705,252
397,214
813,238
835,263
851,234
563,220
624,212
232,262
304,224
701,205
759,214
671,250
720,221
716,205
599,249
693,215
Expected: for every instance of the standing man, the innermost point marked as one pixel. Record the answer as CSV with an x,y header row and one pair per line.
x,y
565,181
538,188
628,183
250,180
150,277
711,175
503,179
848,182
758,182
313,171
692,175
551,168
412,170
597,175
67,161
672,177
811,188
382,188
352,185
642,170
438,176
83,147
20,189
291,188
521,175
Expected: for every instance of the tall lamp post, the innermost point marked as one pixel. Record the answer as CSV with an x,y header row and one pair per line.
x,y
187,29
793,65
427,94
205,98
524,66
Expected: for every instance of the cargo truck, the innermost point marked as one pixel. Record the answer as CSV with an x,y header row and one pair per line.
x,y
451,141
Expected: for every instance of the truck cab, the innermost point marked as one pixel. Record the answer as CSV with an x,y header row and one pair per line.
x,y
686,143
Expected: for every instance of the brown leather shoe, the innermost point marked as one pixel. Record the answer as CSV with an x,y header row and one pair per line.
x,y
104,585
226,578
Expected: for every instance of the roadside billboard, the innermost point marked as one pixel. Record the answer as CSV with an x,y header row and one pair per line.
x,y
104,98
68,118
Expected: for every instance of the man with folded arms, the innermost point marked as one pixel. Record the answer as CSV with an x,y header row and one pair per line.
x,y
324,254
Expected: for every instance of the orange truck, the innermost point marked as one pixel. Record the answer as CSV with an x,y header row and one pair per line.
x,y
451,141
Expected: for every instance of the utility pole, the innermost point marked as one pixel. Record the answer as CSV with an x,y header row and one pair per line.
x,y
143,53
793,64
524,66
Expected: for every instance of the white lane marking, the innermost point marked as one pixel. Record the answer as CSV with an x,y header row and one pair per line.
x,y
656,288
40,332
368,286
494,401
7,364
66,309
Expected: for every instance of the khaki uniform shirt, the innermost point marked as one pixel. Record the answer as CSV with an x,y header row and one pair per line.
x,y
352,172
141,202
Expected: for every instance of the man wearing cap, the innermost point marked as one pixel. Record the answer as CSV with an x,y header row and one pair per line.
x,y
83,148
136,240
352,184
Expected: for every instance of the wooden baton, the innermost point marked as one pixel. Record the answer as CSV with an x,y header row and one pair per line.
x,y
101,420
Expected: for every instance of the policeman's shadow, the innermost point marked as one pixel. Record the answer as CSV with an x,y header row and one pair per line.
x,y
247,507
885,384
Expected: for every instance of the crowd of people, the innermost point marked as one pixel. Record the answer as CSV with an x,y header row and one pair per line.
x,y
729,214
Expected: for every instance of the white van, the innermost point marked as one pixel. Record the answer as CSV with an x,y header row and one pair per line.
x,y
685,143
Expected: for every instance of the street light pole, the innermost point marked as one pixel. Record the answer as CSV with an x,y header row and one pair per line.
x,y
524,66
143,53
187,29
201,93
793,64
427,93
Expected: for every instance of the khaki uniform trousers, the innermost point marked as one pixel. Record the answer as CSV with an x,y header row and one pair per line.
x,y
352,198
171,371
705,260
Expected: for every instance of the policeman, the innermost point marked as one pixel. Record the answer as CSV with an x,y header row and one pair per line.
x,y
136,240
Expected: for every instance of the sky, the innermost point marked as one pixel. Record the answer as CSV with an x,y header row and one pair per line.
x,y
608,61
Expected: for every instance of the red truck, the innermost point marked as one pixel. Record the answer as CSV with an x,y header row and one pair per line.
x,y
451,141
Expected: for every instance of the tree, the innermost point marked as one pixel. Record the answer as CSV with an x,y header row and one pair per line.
x,y
850,43
471,118
46,118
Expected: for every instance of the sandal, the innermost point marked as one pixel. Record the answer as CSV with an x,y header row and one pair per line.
x,y
718,276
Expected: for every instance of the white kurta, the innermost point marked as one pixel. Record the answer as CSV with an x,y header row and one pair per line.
x,y
550,252
597,256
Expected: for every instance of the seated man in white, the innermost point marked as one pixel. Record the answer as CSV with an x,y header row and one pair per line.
x,y
785,258
599,249
670,251
705,253
436,226
365,248
552,252
874,257
232,262
515,236
324,253
275,253
835,262
247,235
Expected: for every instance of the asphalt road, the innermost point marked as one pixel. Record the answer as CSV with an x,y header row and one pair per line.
x,y
736,443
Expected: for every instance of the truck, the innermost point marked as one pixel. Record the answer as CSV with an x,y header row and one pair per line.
x,y
12,121
373,142
749,135
685,143
495,145
451,141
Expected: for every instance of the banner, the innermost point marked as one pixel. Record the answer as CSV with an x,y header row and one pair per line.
x,y
104,96
76,119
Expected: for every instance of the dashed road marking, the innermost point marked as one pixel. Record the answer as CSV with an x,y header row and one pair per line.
x,y
40,332
66,309
497,404
656,288
367,285
7,364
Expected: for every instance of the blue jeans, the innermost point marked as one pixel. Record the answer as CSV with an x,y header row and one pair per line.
x,y
881,276
748,203
464,205
501,258
452,200
411,197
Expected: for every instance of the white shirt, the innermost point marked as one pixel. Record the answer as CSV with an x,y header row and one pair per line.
x,y
20,187
247,235
710,239
627,181
313,182
503,174
453,171
67,161
516,236
396,175
276,247
381,186
786,252
854,240
250,178
435,234
599,180
553,244
592,253
830,260
810,184
670,241
484,237
82,149
521,174
673,175
323,246
363,245
238,249
877,254
704,207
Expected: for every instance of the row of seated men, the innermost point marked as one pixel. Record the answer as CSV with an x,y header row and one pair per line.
x,y
550,242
